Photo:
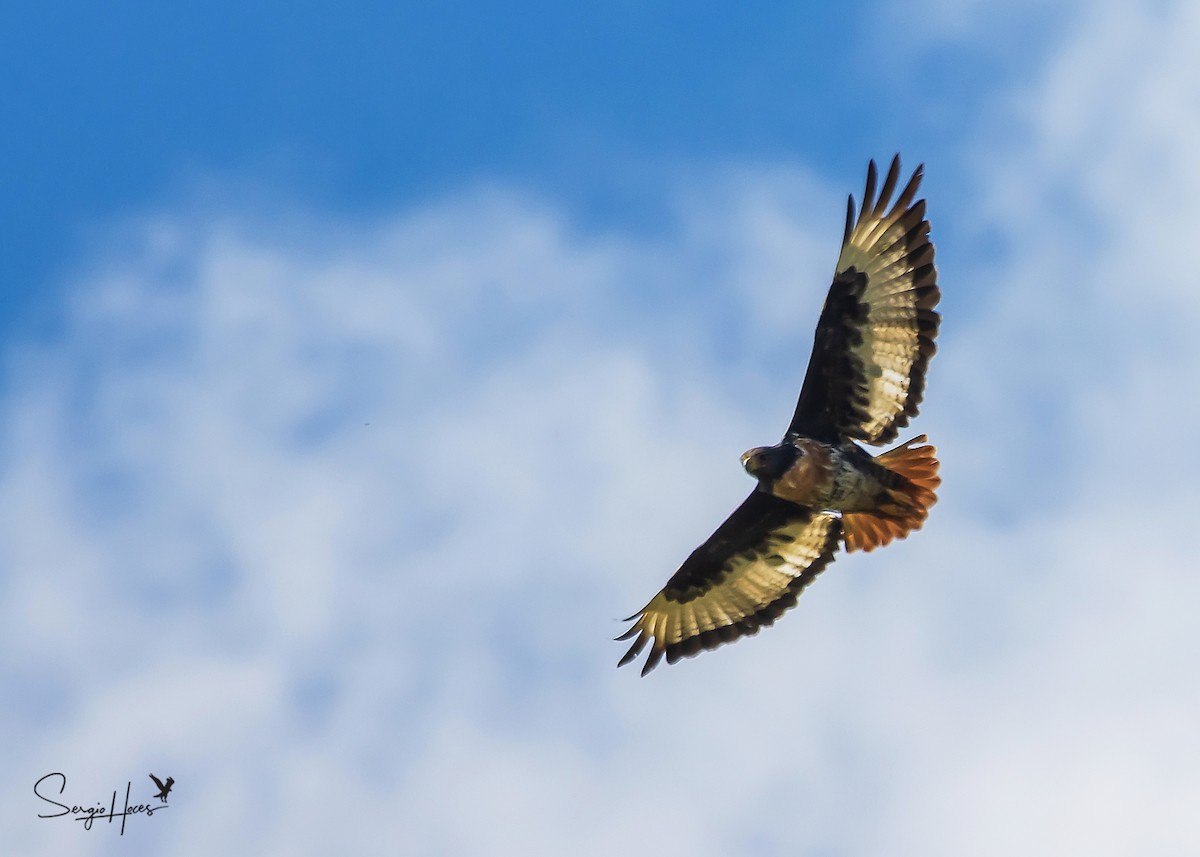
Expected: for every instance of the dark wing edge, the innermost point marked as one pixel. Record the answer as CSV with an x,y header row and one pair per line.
x,y
866,376
158,782
744,577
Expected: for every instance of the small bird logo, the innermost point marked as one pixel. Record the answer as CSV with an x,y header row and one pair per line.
x,y
164,789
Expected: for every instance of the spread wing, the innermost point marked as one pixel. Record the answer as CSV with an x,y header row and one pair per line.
x,y
743,578
158,782
876,333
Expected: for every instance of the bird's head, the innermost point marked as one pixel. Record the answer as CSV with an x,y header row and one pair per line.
x,y
768,463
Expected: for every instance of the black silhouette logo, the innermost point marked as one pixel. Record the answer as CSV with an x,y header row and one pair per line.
x,y
164,789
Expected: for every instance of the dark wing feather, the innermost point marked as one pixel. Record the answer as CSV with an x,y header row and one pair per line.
x,y
743,578
158,782
876,333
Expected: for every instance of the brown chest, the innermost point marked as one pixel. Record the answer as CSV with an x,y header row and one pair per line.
x,y
823,478
810,480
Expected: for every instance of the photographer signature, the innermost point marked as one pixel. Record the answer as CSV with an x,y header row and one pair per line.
x,y
90,814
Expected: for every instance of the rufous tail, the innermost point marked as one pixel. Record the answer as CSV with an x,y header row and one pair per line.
x,y
911,496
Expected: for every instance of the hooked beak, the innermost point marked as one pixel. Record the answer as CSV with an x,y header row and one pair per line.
x,y
752,460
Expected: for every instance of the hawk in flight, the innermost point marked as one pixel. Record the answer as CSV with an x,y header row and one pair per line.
x,y
817,488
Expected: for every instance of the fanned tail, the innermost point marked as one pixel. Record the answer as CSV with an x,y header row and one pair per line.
x,y
911,496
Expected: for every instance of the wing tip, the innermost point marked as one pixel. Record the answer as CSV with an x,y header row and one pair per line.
x,y
634,650
868,202
656,654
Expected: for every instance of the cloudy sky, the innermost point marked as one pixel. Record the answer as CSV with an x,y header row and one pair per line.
x,y
361,366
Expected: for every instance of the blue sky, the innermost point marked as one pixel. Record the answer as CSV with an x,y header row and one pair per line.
x,y
360,368
358,109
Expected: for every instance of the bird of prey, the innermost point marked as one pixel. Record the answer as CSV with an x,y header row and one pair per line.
x,y
164,789
817,488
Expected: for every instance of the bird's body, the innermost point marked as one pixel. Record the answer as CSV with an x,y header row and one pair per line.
x,y
819,475
892,491
817,488
839,478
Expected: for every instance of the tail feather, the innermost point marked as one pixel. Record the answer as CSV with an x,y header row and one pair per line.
x,y
911,498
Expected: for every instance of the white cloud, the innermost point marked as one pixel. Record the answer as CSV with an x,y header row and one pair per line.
x,y
332,522
347,522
